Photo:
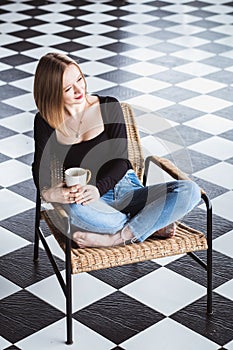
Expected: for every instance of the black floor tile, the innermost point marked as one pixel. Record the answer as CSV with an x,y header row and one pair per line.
x,y
128,317
190,161
218,327
181,135
19,267
187,267
119,277
18,322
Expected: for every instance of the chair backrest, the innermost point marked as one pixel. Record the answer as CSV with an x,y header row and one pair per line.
x,y
134,148
134,143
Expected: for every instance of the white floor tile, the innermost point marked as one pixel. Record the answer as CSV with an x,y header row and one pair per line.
x,y
24,102
97,17
194,55
58,7
140,40
189,41
218,8
94,84
139,18
4,66
197,69
152,102
152,123
167,259
6,52
146,85
52,28
207,104
224,28
145,68
165,291
6,39
21,123
96,28
7,288
47,39
54,17
13,204
182,18
222,205
180,8
220,174
11,17
90,68
86,290
216,147
94,53
188,29
13,172
141,28
201,85
225,19
54,246
4,343
166,335
226,290
143,54
26,84
211,123
223,244
225,41
10,27
10,241
94,40
17,145
53,337
139,8
229,346
97,7
28,67
157,146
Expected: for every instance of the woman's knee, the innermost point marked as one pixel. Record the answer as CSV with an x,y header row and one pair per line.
x,y
191,190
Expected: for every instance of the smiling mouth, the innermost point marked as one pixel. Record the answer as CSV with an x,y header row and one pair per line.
x,y
79,97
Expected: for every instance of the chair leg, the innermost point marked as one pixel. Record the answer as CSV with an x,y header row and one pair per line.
x,y
37,225
209,254
68,289
209,262
36,247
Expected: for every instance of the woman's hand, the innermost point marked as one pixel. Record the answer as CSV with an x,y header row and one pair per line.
x,y
86,194
74,194
60,194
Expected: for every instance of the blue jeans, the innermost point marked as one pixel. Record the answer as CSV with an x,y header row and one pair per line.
x,y
145,209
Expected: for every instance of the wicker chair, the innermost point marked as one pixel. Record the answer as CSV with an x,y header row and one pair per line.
x,y
187,240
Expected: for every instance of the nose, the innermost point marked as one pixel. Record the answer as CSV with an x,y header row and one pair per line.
x,y
77,88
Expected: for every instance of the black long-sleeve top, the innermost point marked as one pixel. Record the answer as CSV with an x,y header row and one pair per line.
x,y
106,155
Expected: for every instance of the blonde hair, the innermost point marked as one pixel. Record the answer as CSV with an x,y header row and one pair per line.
x,y
48,88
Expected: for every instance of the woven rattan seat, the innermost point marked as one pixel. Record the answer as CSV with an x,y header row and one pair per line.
x,y
186,240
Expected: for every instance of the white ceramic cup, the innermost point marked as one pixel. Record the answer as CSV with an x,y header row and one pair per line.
x,y
75,176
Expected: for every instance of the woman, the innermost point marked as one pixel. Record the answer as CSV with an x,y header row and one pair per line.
x,y
88,131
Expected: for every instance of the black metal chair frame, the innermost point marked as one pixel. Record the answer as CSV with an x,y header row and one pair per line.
x,y
66,283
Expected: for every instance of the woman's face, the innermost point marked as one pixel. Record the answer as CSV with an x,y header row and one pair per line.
x,y
74,87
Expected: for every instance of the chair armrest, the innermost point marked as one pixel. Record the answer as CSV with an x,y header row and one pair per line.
x,y
63,214
167,166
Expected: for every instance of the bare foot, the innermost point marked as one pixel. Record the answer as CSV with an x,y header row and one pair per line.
x,y
90,239
166,232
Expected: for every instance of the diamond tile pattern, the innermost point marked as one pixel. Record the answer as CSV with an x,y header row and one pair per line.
x,y
174,63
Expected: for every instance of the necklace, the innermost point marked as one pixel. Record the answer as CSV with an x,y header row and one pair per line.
x,y
77,133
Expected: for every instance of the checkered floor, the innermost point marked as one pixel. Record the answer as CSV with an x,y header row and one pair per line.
x,y
173,61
